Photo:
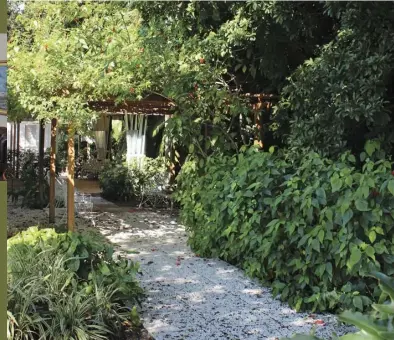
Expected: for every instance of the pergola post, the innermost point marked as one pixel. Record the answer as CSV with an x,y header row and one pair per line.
x,y
70,180
52,170
41,140
169,151
18,149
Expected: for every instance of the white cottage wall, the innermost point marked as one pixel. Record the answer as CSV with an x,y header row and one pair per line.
x,y
29,135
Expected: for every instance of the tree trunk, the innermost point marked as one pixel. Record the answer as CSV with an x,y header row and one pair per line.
x,y
41,162
70,181
52,173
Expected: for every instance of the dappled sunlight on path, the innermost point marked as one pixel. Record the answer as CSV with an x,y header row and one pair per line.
x,y
189,297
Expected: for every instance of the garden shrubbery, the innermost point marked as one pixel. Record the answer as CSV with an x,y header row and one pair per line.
x,y
127,182
29,176
68,286
310,226
377,326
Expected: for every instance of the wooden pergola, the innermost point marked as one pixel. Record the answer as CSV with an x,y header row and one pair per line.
x,y
151,105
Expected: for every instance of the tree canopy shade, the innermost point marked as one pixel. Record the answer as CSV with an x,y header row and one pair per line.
x,y
330,63
57,62
345,95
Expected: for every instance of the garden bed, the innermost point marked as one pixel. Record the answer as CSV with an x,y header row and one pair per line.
x,y
20,220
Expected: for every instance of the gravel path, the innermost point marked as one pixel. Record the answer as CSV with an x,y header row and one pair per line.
x,y
193,298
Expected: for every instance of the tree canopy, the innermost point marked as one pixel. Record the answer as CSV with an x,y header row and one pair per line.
x,y
329,63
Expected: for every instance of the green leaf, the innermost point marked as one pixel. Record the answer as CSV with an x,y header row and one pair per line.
x,y
390,186
386,283
388,309
372,236
352,159
347,216
316,245
370,251
321,236
73,265
248,193
336,184
370,147
355,257
321,196
361,321
329,268
361,205
104,269
358,302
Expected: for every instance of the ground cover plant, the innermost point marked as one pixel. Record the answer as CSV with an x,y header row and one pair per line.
x,y
377,326
311,227
68,286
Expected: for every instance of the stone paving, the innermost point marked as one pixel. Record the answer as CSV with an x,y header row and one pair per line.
x,y
193,298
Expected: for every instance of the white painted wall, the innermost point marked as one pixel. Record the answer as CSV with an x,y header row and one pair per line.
x,y
29,135
3,121
3,47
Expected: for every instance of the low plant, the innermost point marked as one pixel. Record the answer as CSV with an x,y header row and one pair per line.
x,y
132,181
309,226
67,286
375,326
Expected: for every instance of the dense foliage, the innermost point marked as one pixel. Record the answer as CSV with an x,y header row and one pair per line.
x,y
29,175
311,227
378,326
132,182
67,286
345,95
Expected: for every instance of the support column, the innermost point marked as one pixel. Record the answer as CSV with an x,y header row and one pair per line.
x,y
52,170
14,150
169,152
70,181
41,140
18,130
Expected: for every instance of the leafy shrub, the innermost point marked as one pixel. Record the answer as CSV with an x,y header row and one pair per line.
x,y
378,326
67,286
29,177
130,181
116,183
309,226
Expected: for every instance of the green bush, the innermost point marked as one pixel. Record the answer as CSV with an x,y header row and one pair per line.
x,y
309,226
127,182
29,176
377,326
67,286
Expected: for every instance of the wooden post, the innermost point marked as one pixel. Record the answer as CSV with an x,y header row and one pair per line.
x,y
18,149
52,182
70,181
11,164
41,140
109,144
169,151
14,150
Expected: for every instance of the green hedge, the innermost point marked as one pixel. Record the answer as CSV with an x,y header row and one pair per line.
x,y
309,226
